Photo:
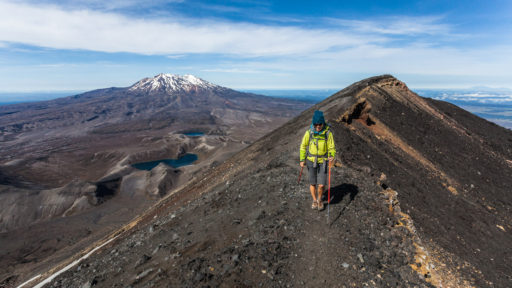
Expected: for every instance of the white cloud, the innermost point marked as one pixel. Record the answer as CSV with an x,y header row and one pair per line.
x,y
56,27
233,70
496,99
398,25
51,26
413,60
175,56
218,8
102,4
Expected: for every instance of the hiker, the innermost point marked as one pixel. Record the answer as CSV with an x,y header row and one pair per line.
x,y
316,152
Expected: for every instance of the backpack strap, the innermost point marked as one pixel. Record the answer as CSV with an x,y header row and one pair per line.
x,y
309,142
311,137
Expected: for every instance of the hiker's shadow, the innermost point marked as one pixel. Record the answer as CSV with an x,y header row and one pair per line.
x,y
339,192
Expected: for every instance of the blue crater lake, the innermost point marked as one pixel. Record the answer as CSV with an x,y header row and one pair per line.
x,y
184,160
193,134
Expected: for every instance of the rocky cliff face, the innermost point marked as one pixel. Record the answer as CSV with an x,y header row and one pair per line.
x,y
420,198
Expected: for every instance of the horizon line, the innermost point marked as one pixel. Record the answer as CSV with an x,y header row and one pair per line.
x,y
60,91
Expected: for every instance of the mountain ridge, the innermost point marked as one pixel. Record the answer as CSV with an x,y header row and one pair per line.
x,y
403,211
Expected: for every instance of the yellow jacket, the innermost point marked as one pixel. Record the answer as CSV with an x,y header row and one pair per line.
x,y
318,146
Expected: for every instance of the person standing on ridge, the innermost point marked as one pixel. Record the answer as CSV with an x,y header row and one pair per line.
x,y
316,152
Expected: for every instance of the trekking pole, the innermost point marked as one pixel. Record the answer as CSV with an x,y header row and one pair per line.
x,y
300,174
329,193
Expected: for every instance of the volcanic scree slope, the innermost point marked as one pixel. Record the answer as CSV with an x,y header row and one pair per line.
x,y
420,198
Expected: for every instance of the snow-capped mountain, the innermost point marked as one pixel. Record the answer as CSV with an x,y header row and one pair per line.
x,y
172,83
165,96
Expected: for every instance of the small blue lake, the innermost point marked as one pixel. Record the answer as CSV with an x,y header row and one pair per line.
x,y
184,160
193,134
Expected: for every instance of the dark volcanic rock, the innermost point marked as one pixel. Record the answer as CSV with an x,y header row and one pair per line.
x,y
419,199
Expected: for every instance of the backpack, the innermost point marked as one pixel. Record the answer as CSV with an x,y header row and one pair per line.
x,y
326,137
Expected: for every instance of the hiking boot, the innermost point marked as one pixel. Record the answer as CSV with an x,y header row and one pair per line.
x,y
314,205
320,205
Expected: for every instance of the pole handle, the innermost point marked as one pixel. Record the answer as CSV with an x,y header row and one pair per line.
x,y
300,174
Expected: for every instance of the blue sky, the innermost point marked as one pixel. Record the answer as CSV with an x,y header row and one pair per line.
x,y
244,44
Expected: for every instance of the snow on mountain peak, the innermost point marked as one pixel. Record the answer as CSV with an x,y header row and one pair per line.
x,y
172,83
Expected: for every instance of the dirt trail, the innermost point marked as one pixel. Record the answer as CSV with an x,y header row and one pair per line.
x,y
318,246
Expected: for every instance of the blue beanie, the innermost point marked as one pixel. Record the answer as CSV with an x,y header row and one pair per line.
x,y
318,117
